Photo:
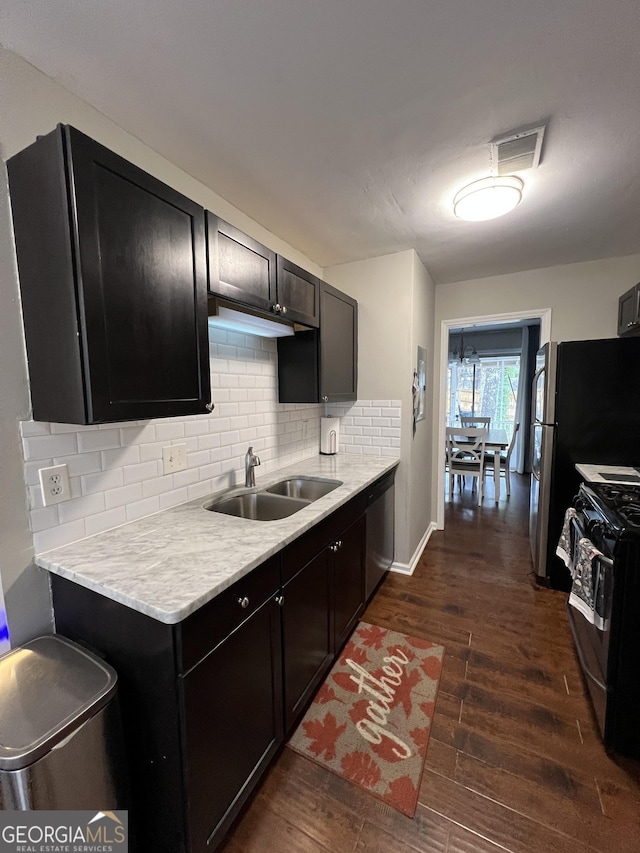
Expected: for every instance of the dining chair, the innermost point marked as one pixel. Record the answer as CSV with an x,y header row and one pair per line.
x,y
475,420
505,460
466,455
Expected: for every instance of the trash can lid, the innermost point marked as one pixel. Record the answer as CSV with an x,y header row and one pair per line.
x,y
48,688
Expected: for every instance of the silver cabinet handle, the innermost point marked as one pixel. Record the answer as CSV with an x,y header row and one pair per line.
x,y
210,407
277,308
325,399
279,600
284,309
339,543
335,546
243,601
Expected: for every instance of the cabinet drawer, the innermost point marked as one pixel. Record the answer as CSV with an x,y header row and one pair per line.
x,y
207,627
296,555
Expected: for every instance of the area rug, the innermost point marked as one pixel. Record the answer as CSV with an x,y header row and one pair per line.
x,y
370,721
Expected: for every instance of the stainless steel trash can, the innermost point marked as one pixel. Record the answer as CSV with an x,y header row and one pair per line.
x,y
60,738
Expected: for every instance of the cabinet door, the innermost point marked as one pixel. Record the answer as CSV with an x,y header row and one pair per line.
x,y
298,293
240,268
348,581
232,709
143,294
306,632
629,312
338,346
112,269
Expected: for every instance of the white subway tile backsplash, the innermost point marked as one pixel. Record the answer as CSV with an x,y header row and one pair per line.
x,y
116,471
81,507
122,496
142,471
369,426
142,508
98,440
54,537
105,520
46,446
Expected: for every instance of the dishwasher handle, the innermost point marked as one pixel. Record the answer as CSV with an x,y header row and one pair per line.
x,y
380,487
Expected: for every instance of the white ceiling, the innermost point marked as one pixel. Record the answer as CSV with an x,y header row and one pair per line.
x,y
346,126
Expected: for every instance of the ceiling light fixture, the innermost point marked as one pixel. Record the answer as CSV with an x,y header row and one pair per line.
x,y
460,352
488,198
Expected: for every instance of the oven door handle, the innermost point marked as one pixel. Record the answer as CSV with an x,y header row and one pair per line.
x,y
583,663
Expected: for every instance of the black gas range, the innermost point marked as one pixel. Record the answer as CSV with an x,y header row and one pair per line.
x,y
604,606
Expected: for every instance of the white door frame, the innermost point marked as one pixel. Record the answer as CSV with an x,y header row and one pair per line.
x,y
543,314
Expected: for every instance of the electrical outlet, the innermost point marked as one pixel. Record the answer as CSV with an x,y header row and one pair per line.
x,y
174,458
54,483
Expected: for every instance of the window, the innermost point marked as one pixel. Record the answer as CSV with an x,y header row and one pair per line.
x,y
487,387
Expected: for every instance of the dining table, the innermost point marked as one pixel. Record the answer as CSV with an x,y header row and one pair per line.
x,y
496,441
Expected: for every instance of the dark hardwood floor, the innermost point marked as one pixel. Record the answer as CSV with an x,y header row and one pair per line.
x,y
514,762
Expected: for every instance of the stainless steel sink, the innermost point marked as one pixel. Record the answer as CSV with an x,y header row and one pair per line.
x,y
307,488
258,506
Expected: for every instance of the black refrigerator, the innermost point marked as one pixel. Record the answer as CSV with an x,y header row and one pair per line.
x,y
586,409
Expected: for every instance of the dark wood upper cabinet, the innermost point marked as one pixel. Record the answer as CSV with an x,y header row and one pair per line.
x,y
321,365
629,312
112,266
245,271
240,268
298,293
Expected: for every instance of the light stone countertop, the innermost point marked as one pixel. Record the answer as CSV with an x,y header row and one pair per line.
x,y
169,564
608,474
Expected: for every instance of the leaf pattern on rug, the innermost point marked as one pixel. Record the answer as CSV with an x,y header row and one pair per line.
x,y
326,694
359,710
391,751
427,709
356,653
323,735
361,768
403,690
420,736
395,708
400,792
402,650
372,636
432,666
345,681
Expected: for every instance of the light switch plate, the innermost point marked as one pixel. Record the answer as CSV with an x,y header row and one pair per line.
x,y
174,458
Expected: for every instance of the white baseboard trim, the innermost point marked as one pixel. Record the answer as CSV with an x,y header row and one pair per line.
x,y
410,567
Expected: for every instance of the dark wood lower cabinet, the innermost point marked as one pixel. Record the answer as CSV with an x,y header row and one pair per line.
x,y
348,581
306,634
232,712
208,702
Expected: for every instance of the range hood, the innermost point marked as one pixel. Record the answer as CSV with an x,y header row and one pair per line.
x,y
240,318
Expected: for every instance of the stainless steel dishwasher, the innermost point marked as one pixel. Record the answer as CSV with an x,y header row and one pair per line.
x,y
380,531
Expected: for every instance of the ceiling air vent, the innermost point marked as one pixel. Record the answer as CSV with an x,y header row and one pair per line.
x,y
517,151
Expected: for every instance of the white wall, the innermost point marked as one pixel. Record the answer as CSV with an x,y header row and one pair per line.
x,y
582,298
395,313
32,104
421,461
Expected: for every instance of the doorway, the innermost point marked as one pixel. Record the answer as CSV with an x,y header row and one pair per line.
x,y
543,316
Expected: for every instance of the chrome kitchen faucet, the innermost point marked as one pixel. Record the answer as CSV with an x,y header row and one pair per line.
x,y
251,461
